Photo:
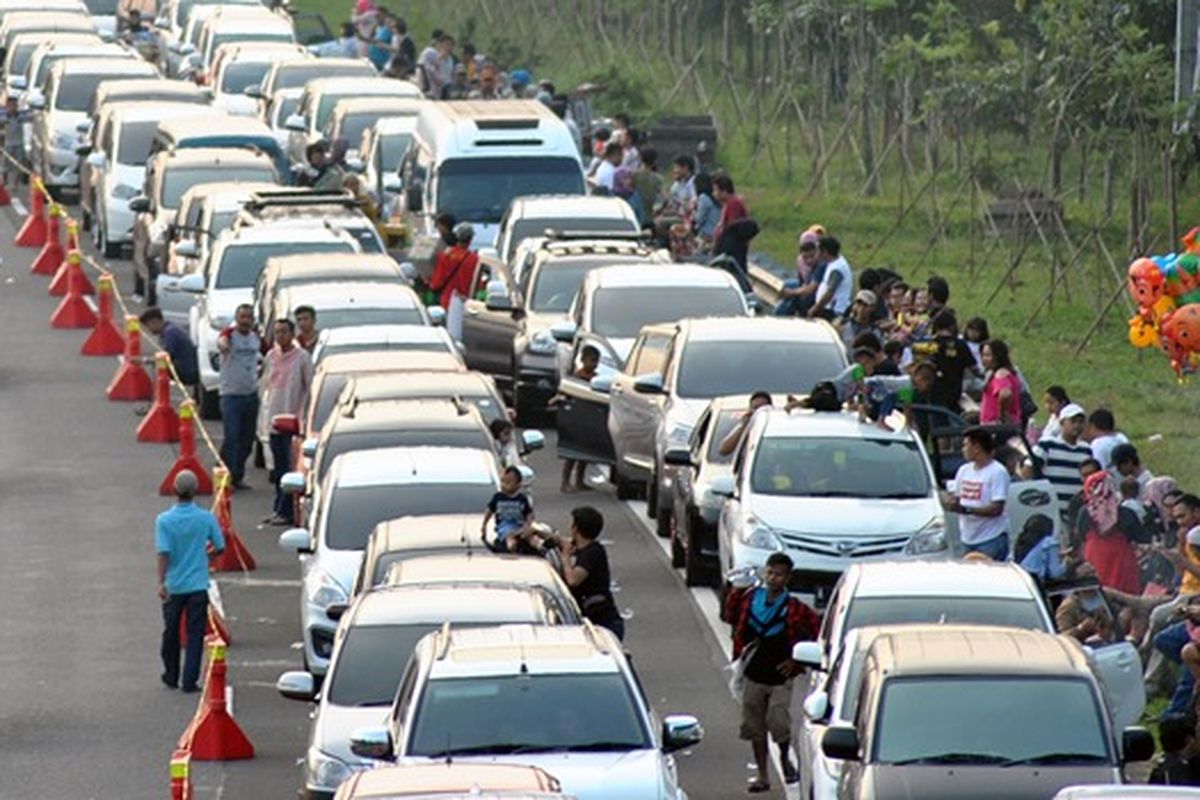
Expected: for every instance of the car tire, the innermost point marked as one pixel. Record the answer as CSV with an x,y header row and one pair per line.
x,y
695,571
652,510
626,490
208,402
108,249
677,554
722,600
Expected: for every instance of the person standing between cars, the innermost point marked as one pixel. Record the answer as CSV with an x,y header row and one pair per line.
x,y
306,327
585,569
182,535
768,622
978,497
333,168
837,285
452,277
239,347
286,380
175,341
953,360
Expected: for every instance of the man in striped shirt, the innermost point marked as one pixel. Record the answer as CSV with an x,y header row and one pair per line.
x,y
1061,455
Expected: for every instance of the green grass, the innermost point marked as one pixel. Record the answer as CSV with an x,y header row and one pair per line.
x,y
1139,386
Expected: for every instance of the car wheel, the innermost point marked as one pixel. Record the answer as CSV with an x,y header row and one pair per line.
x,y
652,509
695,571
722,599
626,490
208,402
677,554
109,249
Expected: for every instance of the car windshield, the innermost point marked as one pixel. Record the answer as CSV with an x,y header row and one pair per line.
x,y
178,180
185,6
18,60
329,101
523,713
242,74
392,150
400,437
101,7
344,317
220,222
558,281
620,312
989,720
355,511
819,466
295,76
359,347
524,228
353,125
1009,612
133,147
479,189
242,264
75,91
716,368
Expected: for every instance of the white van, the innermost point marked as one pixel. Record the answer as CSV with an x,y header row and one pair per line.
x,y
471,158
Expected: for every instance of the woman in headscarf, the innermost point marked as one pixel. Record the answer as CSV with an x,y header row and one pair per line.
x,y
1108,545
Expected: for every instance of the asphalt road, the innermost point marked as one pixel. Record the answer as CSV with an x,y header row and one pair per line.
x,y
82,713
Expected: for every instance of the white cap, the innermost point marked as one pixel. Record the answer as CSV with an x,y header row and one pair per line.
x,y
1193,536
1071,410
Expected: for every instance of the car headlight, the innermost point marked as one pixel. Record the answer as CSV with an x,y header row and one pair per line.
x,y
930,539
64,141
124,192
325,771
325,591
759,535
543,342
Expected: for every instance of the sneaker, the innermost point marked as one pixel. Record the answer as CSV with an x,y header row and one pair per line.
x,y
278,520
790,774
189,689
170,684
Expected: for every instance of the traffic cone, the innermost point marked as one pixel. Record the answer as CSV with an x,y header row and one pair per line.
x,y
33,232
161,423
131,383
187,454
74,311
235,557
214,734
181,778
58,284
105,339
5,197
52,255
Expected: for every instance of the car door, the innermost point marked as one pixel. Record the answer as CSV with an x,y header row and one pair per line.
x,y
488,333
635,414
582,419
1119,669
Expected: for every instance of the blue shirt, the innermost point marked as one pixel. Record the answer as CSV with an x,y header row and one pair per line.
x,y
183,533
380,53
511,511
181,350
1044,561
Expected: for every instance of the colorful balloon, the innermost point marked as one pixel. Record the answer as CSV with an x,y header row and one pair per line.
x,y
1142,333
1145,283
1182,275
1179,331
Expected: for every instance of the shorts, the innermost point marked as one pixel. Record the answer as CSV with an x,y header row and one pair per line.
x,y
766,709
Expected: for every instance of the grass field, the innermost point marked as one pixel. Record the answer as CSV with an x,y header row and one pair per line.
x,y
1139,386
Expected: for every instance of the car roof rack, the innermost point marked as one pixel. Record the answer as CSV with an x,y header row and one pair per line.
x,y
556,234
298,198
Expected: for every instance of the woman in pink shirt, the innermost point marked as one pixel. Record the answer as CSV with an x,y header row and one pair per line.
x,y
1001,402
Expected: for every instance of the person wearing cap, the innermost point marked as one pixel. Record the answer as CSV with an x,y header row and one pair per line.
x,y
452,276
861,318
182,537
519,80
1062,456
798,294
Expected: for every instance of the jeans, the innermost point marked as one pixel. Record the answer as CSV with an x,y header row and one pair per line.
x,y
239,413
794,306
281,454
995,548
1169,642
195,606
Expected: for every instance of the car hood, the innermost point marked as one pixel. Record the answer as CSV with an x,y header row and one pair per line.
x,y
334,725
224,302
848,516
594,776
237,104
980,782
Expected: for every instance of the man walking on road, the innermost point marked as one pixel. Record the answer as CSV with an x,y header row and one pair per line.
x,y
182,535
239,346
287,377
768,622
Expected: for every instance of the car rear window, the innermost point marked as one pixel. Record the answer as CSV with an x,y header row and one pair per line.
x,y
355,511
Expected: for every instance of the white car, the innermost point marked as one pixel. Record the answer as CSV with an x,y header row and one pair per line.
x,y
238,24
352,116
172,27
533,215
20,53
383,148
372,645
307,125
561,698
68,91
289,75
356,303
116,166
228,281
363,488
282,105
356,338
241,65
830,490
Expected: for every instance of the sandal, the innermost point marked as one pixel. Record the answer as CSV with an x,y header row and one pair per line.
x,y
757,787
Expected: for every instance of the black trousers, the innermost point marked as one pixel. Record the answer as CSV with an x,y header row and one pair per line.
x,y
195,606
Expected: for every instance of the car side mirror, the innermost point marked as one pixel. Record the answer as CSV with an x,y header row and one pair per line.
x,y
187,249
254,91
840,742
816,706
437,315
36,100
93,159
680,731
141,204
336,611
192,282
808,654
297,685
1137,744
373,743
84,126
393,184
651,383
527,474
308,448
293,483
722,486
564,331
162,23
498,298
532,440
17,82
602,383
287,424
678,457
296,540
295,123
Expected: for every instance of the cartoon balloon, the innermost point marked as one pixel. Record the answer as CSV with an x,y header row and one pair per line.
x,y
1181,275
1142,333
1179,331
1191,241
1145,283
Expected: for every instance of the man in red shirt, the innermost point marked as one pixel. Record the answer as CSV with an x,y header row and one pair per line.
x,y
452,276
733,207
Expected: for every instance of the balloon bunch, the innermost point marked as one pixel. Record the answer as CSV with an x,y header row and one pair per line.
x,y
1167,292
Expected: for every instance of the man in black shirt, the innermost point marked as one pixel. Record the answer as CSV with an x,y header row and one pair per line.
x,y
585,569
952,358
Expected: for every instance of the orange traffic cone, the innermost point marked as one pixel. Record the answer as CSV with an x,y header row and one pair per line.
x,y
181,778
52,254
131,381
161,423
74,311
187,454
105,339
236,556
33,232
214,735
58,284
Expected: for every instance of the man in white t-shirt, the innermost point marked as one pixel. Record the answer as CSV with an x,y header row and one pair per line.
x,y
837,285
978,496
607,171
1103,435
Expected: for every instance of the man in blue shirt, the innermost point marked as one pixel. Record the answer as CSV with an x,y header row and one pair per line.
x,y
175,341
182,535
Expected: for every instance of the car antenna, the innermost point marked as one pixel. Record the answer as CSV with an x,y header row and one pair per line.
x,y
449,750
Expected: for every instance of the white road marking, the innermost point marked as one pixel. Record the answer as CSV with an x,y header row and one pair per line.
x,y
19,207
